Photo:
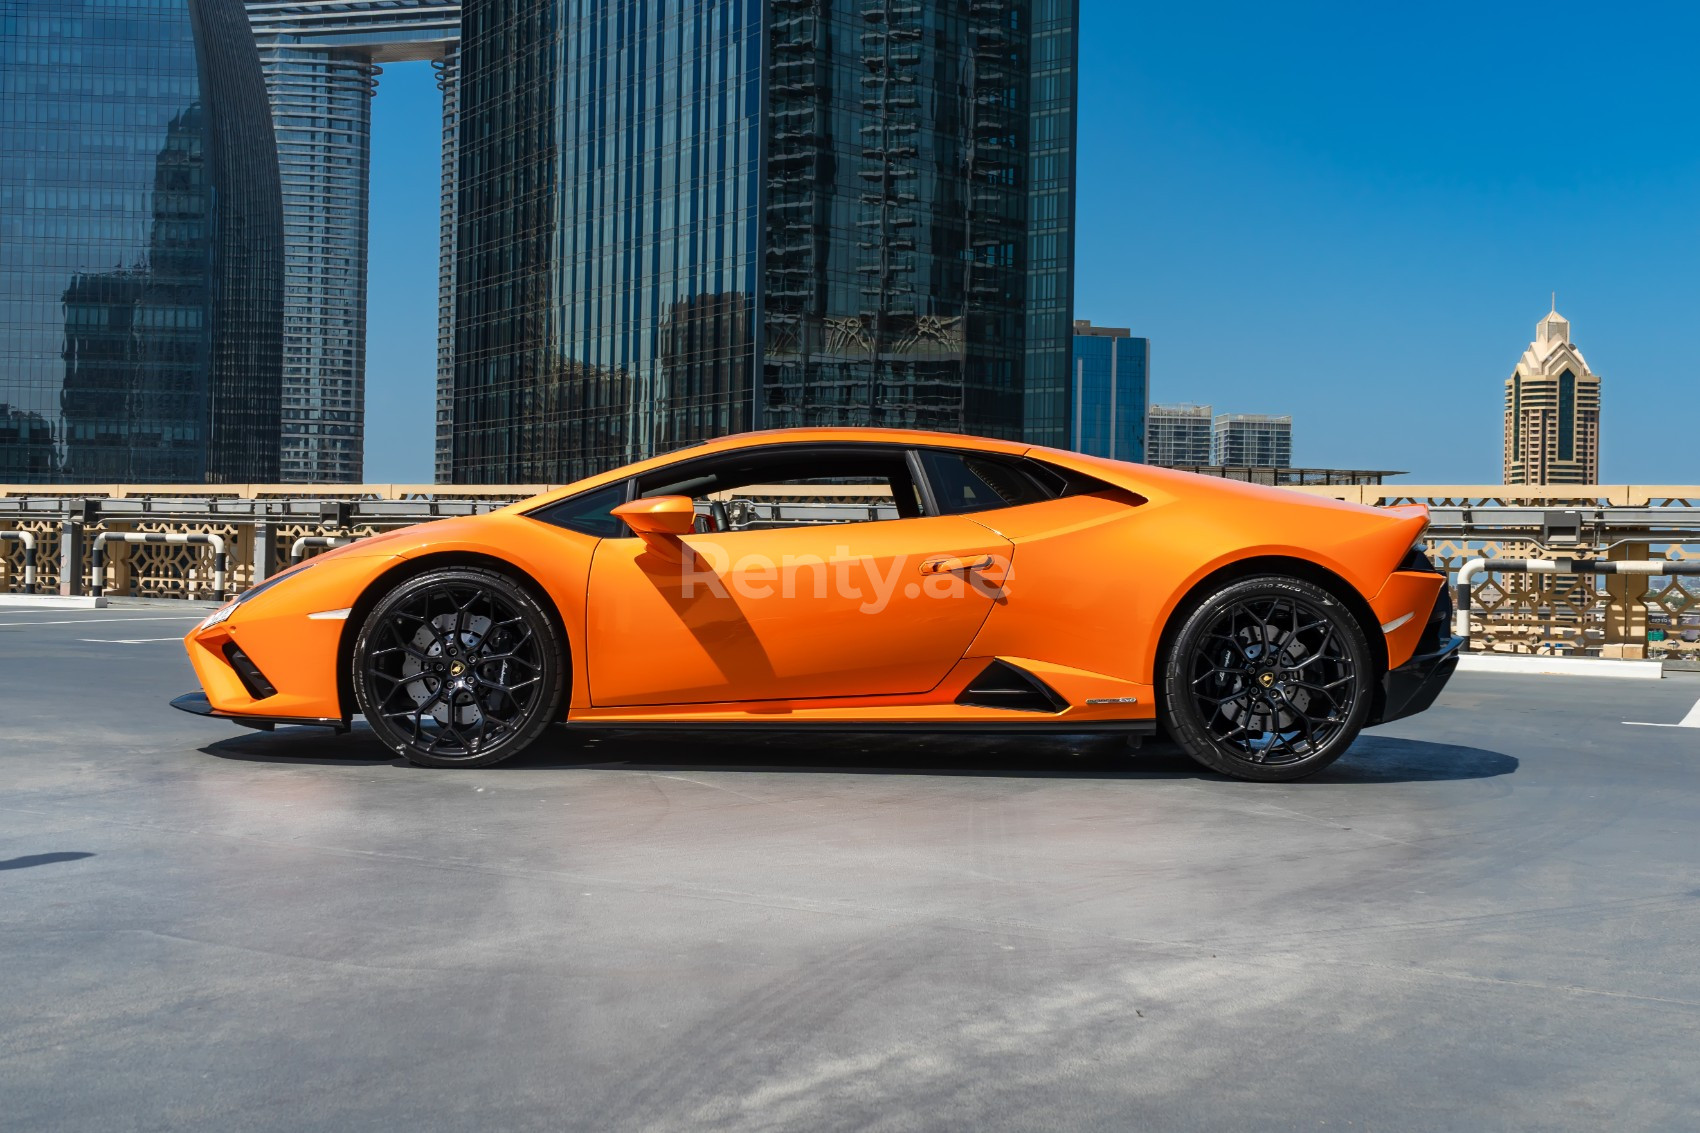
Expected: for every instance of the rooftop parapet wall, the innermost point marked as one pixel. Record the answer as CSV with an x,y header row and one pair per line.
x,y
1627,616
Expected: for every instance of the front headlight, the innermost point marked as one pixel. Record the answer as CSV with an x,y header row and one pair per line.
x,y
224,612
218,615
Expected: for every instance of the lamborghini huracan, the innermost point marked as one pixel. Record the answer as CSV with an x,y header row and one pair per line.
x,y
857,579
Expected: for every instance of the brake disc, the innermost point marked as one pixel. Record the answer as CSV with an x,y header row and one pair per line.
x,y
425,681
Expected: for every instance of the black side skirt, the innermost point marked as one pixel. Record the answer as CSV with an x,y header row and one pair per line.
x,y
1050,727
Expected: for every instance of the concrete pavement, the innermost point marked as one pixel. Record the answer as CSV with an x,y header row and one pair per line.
x,y
1485,917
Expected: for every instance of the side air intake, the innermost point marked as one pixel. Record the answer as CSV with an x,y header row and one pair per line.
x,y
248,673
1002,685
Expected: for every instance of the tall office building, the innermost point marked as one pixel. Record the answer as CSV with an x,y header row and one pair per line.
x,y
141,262
1112,374
1552,411
1252,440
1178,435
322,61
680,220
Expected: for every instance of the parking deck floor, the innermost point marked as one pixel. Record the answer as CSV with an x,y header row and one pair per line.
x,y
1486,917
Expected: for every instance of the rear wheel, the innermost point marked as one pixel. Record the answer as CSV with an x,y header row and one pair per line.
x,y
1269,679
458,667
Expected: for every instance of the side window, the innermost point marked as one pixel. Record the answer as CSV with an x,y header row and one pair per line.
x,y
589,512
812,502
791,487
967,482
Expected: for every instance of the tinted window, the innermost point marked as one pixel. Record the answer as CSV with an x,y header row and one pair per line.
x,y
589,512
965,482
792,486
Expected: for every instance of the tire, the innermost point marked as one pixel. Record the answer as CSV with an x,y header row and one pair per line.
x,y
1270,678
458,667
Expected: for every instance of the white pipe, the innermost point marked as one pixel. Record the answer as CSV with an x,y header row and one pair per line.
x,y
301,544
27,538
198,538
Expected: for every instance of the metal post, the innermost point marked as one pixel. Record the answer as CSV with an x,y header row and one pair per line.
x,y
71,550
265,548
98,558
1626,612
221,561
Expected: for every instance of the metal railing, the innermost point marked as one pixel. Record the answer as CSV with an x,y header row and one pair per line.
x,y
220,558
266,527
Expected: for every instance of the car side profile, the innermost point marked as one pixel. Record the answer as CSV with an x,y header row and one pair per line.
x,y
857,579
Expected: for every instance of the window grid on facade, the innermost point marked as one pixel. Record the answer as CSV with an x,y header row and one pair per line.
x,y
687,219
1178,436
140,245
1252,440
1111,378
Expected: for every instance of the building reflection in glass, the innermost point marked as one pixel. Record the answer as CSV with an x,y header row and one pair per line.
x,y
760,213
141,232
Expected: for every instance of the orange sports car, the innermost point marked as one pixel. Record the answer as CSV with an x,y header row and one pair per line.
x,y
862,579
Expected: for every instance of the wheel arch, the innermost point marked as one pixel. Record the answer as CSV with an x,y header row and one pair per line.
x,y
1295,567
408,568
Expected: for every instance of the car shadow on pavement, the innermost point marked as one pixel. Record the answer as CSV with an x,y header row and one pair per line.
x,y
305,745
1373,759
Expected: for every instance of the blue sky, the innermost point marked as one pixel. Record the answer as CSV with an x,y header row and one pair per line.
x,y
1350,212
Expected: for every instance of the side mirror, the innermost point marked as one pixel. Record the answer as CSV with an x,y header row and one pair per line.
x,y
659,521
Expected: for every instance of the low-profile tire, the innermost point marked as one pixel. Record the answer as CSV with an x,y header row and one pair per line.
x,y
1269,678
458,667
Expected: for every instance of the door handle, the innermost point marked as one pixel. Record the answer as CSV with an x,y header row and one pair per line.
x,y
951,564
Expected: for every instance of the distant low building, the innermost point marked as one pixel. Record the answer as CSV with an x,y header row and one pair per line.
x,y
1252,440
1552,411
1290,477
1178,435
1112,372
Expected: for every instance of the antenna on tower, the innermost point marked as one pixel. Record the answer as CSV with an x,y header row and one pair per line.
x,y
1554,309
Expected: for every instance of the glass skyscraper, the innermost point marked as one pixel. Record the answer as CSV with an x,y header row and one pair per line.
x,y
322,62
1112,379
141,270
681,218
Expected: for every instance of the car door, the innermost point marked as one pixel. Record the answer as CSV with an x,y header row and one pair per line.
x,y
791,613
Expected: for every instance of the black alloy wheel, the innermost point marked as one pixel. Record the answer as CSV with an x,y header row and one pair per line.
x,y
1270,678
458,667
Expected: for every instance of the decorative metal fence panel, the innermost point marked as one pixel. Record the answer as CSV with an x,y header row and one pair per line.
x,y
1628,616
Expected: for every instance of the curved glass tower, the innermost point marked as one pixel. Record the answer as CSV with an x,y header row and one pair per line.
x,y
683,219
141,245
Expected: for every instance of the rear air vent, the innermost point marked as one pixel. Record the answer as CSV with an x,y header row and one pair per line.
x,y
1002,685
248,673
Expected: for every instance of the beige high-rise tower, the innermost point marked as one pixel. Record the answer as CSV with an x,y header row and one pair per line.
x,y
1552,411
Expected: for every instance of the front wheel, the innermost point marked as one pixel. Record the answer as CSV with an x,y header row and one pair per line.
x,y
1269,678
458,667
